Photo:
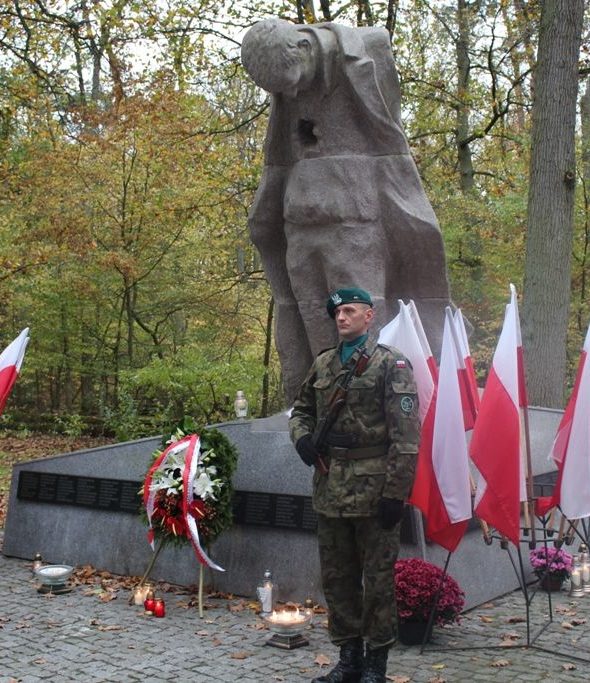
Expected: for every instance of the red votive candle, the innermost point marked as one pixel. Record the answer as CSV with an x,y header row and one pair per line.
x,y
159,608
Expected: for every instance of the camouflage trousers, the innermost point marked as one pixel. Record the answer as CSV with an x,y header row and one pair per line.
x,y
356,557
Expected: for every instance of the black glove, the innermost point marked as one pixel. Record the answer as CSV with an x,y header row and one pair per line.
x,y
306,449
389,512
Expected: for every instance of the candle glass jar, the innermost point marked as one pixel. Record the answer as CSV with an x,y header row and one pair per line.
x,y
150,601
159,608
576,588
241,405
584,564
37,562
267,593
140,594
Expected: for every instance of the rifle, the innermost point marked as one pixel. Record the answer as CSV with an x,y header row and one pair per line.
x,y
335,403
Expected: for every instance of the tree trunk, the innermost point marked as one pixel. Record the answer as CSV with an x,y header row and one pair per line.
x,y
267,352
551,201
463,108
581,255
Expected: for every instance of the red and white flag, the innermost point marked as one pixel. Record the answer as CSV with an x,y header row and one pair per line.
x,y
467,381
571,448
497,444
423,339
11,360
442,489
401,333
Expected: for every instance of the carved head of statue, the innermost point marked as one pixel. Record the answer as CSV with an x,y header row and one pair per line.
x,y
280,57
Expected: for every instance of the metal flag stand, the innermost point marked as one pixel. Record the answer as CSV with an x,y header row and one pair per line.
x,y
528,594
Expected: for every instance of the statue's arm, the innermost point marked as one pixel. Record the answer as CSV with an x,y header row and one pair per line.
x,y
266,220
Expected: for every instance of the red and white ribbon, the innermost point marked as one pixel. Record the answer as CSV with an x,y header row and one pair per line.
x,y
191,444
189,473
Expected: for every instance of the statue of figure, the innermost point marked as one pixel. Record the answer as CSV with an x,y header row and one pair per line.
x,y
340,200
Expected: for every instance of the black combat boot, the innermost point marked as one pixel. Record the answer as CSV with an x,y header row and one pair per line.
x,y
375,665
350,664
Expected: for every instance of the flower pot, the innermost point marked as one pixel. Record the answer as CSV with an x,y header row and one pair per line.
x,y
551,583
413,632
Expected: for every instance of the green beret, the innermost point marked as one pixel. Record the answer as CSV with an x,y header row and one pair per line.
x,y
350,295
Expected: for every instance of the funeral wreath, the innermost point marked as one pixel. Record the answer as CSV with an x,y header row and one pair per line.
x,y
187,491
417,583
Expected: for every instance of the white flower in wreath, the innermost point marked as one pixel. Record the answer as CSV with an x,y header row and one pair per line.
x,y
203,486
166,480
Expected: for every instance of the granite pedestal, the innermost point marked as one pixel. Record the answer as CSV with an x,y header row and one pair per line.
x,y
116,540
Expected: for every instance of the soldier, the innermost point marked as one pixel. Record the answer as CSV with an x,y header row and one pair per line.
x,y
364,471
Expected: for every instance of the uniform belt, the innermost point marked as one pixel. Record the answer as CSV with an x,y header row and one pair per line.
x,y
357,453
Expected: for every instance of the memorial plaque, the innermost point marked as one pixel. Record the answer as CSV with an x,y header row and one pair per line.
x,y
88,492
255,508
274,510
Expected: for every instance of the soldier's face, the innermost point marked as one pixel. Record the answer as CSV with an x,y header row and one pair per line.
x,y
353,320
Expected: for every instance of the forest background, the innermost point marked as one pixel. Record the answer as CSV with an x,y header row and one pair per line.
x,y
131,147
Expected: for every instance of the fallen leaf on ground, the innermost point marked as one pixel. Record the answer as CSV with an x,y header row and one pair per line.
x,y
39,660
568,666
515,620
240,655
566,625
578,622
437,679
107,596
510,635
500,662
111,627
438,666
398,679
237,607
322,660
486,620
488,605
202,633
216,642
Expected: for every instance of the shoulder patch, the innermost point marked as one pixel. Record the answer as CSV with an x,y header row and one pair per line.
x,y
407,404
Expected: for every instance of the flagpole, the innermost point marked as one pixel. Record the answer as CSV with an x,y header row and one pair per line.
x,y
529,477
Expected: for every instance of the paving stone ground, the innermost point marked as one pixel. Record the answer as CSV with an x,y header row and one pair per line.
x,y
77,637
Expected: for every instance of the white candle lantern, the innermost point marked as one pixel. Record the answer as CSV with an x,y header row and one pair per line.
x,y
241,405
576,588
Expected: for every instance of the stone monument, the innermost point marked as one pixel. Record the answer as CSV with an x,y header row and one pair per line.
x,y
340,200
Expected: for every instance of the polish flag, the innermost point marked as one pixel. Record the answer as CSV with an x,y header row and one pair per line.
x,y
401,333
467,381
571,449
11,360
423,339
496,445
442,489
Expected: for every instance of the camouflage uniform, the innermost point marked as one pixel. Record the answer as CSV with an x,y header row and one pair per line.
x,y
379,424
